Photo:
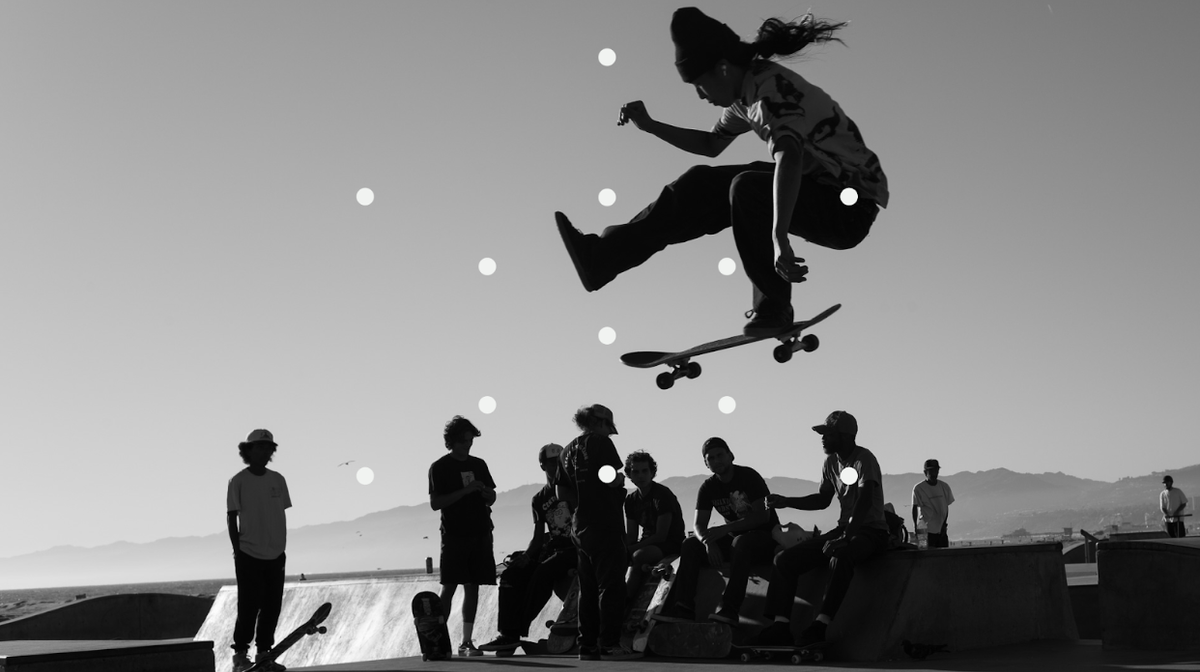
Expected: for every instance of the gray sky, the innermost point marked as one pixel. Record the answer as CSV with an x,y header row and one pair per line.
x,y
184,259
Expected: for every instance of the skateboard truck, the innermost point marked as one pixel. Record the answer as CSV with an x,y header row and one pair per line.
x,y
679,370
784,351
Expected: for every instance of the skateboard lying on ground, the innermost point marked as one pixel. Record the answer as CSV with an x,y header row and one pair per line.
x,y
527,647
430,621
564,631
681,364
638,623
814,653
690,640
310,627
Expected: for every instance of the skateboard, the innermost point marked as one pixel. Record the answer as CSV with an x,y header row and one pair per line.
x,y
682,365
310,627
813,653
640,620
527,647
564,631
690,640
430,621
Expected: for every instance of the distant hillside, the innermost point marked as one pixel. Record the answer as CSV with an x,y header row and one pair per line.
x,y
988,504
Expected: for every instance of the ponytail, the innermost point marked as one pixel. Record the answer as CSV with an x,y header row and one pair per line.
x,y
779,38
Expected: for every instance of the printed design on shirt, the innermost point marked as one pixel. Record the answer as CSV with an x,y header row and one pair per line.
x,y
737,505
787,100
825,128
468,477
558,518
276,492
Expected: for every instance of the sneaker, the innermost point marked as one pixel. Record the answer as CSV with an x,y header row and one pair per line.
x,y
724,615
500,642
589,652
619,652
775,634
579,246
765,321
241,662
271,666
813,634
468,648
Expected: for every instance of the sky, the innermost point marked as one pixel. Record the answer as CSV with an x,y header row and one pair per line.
x,y
184,258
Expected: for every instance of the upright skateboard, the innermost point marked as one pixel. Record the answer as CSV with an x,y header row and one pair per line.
x,y
649,601
564,631
310,627
430,620
681,364
814,653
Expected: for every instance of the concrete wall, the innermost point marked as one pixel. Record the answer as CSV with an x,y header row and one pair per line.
x,y
126,616
1149,593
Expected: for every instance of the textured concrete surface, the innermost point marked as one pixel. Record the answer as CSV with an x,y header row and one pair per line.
x,y
1149,592
135,616
173,655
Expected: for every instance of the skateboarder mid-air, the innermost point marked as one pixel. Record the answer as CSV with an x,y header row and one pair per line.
x,y
256,502
528,582
817,150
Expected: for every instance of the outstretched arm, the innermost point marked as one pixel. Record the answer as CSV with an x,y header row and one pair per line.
x,y
704,143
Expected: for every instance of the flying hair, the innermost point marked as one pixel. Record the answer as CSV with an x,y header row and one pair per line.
x,y
777,37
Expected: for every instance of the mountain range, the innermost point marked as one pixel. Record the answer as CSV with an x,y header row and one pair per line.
x,y
987,504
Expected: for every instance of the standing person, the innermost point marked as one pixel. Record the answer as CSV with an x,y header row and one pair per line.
x,y
654,509
931,500
256,502
1172,501
461,487
818,152
739,494
597,534
528,581
861,533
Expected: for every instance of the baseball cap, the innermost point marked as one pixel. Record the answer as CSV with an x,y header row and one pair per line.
x,y
840,422
932,464
261,436
550,451
1168,479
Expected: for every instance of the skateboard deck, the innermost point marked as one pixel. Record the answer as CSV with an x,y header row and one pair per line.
x,y
813,653
690,640
430,620
527,647
682,365
636,630
310,627
564,631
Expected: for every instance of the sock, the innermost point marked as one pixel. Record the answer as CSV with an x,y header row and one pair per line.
x,y
468,629
824,620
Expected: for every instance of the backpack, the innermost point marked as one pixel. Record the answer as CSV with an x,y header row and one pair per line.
x,y
897,532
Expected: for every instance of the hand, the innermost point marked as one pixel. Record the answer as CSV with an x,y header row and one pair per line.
x,y
775,501
787,265
521,560
635,112
478,486
834,546
712,534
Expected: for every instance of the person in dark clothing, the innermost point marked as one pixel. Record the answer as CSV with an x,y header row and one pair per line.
x,y
653,509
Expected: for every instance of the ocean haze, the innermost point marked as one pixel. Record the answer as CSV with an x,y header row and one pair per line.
x,y
988,504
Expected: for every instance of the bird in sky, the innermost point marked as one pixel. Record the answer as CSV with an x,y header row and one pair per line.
x,y
345,463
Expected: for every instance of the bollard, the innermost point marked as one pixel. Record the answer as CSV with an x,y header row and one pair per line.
x,y
428,565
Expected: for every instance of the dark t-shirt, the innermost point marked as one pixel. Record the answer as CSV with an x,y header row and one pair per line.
x,y
732,500
470,515
556,514
645,510
598,511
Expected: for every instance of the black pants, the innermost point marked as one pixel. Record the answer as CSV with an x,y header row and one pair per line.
x,y
260,598
1175,528
742,552
807,555
602,563
524,591
709,199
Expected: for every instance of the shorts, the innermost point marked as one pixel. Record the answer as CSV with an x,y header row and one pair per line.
x,y
467,560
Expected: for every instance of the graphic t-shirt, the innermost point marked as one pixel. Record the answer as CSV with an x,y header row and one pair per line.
x,y
556,514
733,499
260,502
598,511
933,504
645,510
470,515
776,102
867,468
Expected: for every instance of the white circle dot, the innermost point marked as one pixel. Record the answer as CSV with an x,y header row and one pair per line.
x,y
727,266
487,266
849,476
607,197
607,474
365,196
607,57
849,196
726,404
365,476
608,335
487,404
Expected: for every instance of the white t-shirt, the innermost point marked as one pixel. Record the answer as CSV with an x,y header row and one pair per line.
x,y
933,503
260,502
1170,500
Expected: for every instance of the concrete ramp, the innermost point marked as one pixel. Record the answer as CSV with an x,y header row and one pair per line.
x,y
131,616
371,620
1149,593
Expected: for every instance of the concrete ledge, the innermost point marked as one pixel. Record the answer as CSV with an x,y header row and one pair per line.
x,y
1148,593
174,655
131,616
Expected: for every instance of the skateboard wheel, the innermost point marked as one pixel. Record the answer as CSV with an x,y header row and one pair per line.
x,y
810,342
693,370
782,353
745,657
795,659
665,381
